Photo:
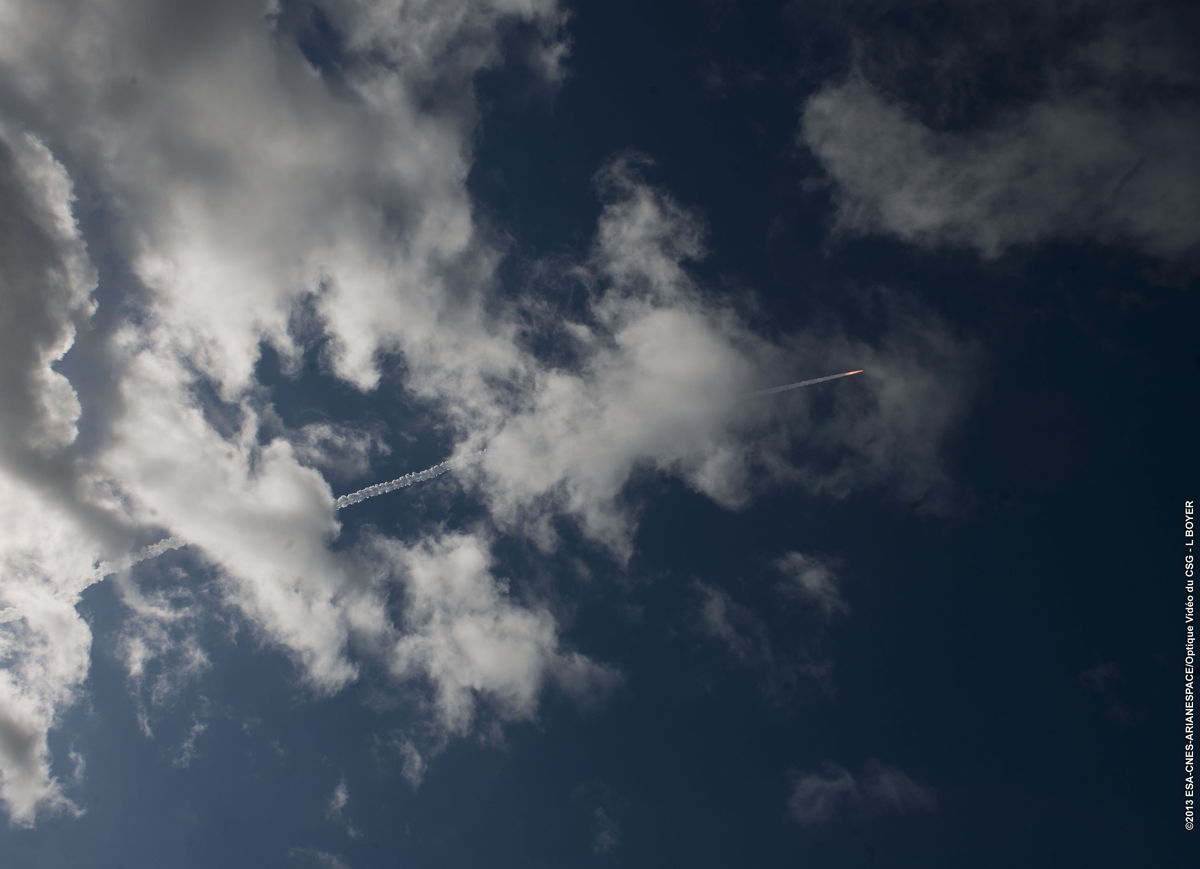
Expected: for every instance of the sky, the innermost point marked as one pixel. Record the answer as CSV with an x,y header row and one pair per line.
x,y
258,255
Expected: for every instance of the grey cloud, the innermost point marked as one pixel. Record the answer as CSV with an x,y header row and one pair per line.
x,y
820,796
55,522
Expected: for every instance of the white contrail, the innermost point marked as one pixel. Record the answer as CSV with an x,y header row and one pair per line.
x,y
800,385
108,568
404,481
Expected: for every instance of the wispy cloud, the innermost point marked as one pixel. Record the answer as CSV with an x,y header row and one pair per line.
x,y
316,858
335,809
607,832
818,797
811,579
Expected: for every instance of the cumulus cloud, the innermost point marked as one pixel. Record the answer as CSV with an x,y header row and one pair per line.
x,y
250,181
1103,151
52,533
465,635
819,796
240,183
245,188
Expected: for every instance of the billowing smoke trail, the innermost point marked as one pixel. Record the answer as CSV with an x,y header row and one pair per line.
x,y
404,481
108,568
800,385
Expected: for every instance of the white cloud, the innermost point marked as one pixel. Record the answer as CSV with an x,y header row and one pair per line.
x,y
466,636
810,578
1081,161
254,511
818,797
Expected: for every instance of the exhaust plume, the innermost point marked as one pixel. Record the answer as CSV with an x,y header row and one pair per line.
x,y
108,568
404,481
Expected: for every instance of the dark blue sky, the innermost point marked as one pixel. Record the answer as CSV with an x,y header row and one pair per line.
x,y
1002,684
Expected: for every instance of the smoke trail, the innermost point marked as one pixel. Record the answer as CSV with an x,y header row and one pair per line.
x,y
403,481
108,568
799,385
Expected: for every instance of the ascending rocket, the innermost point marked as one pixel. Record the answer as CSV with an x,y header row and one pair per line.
x,y
803,383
